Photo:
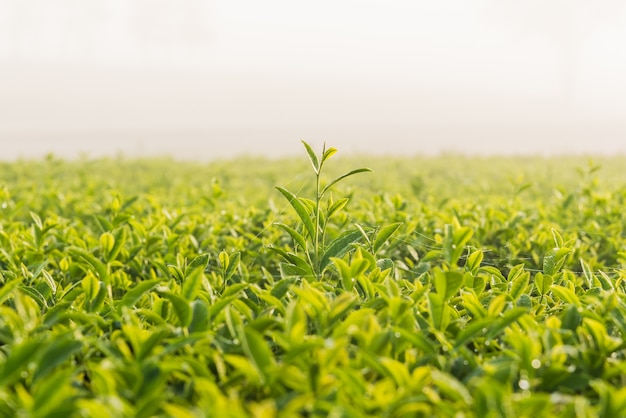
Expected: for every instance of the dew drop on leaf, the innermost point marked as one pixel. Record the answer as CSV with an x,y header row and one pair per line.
x,y
536,364
524,384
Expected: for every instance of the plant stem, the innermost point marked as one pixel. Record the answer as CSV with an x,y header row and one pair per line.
x,y
317,223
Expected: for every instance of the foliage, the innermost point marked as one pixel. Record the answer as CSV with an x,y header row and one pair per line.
x,y
312,238
447,287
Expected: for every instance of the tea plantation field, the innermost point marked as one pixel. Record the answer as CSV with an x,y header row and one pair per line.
x,y
448,286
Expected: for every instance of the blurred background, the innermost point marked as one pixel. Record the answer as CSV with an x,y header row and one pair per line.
x,y
210,79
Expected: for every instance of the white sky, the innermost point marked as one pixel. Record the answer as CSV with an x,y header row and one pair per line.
x,y
214,78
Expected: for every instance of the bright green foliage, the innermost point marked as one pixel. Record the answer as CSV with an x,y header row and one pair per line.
x,y
434,287
312,239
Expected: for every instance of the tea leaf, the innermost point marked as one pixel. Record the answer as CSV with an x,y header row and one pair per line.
x,y
343,176
181,307
19,358
554,260
312,157
543,282
300,210
133,295
295,235
57,352
384,234
339,247
447,283
439,311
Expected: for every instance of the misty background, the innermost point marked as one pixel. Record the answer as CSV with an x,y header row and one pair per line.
x,y
211,79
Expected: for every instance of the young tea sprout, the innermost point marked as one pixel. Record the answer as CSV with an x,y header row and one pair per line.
x,y
311,237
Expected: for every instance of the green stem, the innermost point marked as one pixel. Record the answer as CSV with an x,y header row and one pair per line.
x,y
317,224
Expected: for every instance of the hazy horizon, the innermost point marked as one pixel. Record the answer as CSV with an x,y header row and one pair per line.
x,y
212,79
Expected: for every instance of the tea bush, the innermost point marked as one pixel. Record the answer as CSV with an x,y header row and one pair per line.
x,y
449,286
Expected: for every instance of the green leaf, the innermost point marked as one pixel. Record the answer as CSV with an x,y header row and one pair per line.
x,y
133,295
176,273
91,286
36,295
244,366
9,286
199,317
451,387
508,318
199,263
181,307
384,234
566,295
447,283
587,273
474,260
605,281
543,282
419,340
37,220
295,235
288,271
224,260
220,304
312,157
54,396
147,345
340,306
497,305
337,206
571,318
328,153
454,243
52,284
344,273
359,266
395,370
107,241
343,176
515,272
257,350
339,246
558,239
98,266
474,282
554,260
439,311
232,265
475,328
302,212
234,289
57,351
21,355
192,283
519,284
473,305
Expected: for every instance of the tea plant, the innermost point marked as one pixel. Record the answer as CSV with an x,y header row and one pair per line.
x,y
446,287
312,238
